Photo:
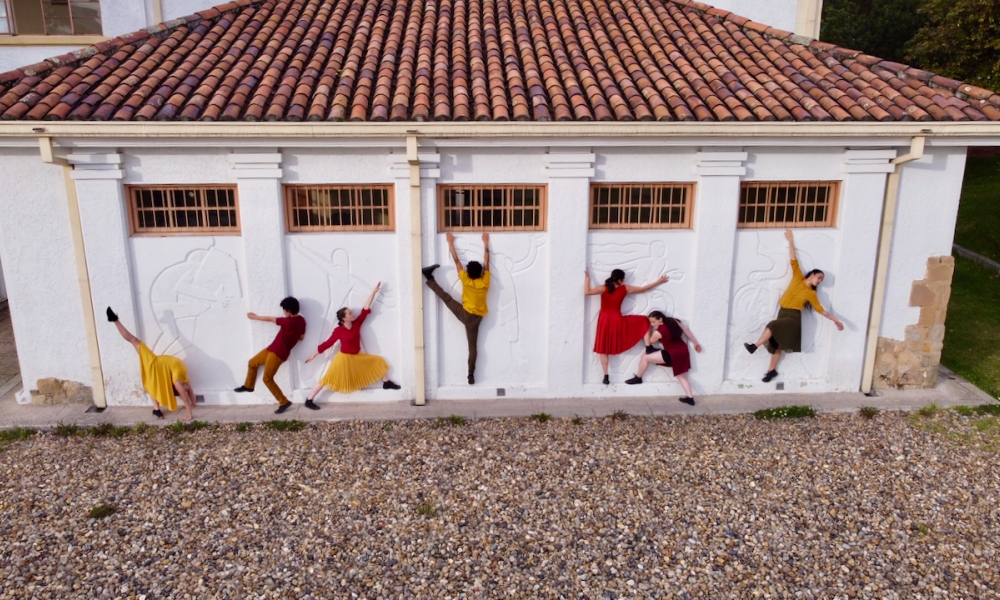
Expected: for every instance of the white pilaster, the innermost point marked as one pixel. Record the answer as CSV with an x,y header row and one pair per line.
x,y
715,217
262,225
426,223
104,222
858,221
569,171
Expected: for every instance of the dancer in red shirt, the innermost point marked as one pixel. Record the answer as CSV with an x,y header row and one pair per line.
x,y
617,333
351,370
293,329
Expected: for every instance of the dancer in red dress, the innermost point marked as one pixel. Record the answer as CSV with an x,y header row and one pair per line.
x,y
617,333
670,333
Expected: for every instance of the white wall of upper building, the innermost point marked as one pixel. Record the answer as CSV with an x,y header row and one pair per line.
x,y
188,295
118,17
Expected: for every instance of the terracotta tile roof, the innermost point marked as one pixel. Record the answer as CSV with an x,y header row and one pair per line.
x,y
456,60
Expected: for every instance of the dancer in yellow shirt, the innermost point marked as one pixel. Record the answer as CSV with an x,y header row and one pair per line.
x,y
164,377
784,334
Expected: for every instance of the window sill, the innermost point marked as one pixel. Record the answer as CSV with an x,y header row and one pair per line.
x,y
51,40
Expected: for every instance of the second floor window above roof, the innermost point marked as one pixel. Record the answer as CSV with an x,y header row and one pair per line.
x,y
50,17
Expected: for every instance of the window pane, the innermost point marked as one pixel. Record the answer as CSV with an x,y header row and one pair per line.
x,y
86,17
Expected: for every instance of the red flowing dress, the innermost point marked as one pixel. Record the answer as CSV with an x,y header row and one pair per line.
x,y
617,333
677,349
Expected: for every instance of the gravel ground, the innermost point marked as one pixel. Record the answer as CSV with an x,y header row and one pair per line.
x,y
701,507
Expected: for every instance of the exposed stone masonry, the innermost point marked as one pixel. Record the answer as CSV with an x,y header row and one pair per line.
x,y
913,362
57,391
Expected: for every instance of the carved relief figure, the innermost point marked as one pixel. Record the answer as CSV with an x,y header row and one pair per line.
x,y
184,291
784,334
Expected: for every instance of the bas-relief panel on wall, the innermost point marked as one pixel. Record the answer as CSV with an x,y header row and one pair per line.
x,y
512,337
643,261
761,273
192,305
326,274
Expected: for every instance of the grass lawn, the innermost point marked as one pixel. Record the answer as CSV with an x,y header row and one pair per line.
x,y
978,227
972,340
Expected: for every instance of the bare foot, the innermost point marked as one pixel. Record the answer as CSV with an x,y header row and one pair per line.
x,y
187,418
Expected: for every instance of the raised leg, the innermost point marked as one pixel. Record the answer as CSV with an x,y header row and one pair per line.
x,y
255,363
763,338
453,305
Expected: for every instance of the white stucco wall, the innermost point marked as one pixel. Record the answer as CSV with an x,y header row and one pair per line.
x,y
40,270
929,191
780,14
188,295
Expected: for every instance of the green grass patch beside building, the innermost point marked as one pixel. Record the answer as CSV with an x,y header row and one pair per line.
x,y
978,226
972,330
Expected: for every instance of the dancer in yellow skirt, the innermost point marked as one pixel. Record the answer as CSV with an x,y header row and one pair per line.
x,y
164,377
350,370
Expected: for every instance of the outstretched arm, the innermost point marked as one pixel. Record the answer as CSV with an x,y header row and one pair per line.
x,y
690,336
454,255
486,252
378,286
791,244
634,290
589,291
836,321
256,317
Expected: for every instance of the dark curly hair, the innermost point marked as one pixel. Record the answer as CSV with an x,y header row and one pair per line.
x,y
474,269
291,305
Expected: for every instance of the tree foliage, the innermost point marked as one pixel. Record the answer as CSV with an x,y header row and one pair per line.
x,y
961,40
877,27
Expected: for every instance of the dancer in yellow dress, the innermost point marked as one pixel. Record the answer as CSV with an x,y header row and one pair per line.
x,y
164,377
351,370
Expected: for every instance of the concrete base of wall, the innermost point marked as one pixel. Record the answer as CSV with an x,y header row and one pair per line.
x,y
913,363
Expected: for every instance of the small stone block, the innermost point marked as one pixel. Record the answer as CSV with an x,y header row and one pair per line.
x,y
49,386
921,294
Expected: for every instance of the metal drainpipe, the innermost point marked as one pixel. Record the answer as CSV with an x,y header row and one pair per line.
x,y
882,262
416,247
82,274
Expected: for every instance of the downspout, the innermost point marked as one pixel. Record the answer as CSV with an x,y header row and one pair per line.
x,y
82,274
416,247
882,262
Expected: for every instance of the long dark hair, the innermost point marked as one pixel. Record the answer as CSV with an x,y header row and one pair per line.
x,y
813,272
616,275
675,330
340,315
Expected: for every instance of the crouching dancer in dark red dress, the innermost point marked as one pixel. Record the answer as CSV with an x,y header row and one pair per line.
x,y
668,332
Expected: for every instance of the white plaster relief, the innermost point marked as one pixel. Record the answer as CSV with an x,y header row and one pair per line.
x,y
653,254
761,274
512,345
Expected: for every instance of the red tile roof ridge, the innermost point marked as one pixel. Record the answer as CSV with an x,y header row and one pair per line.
x,y
47,65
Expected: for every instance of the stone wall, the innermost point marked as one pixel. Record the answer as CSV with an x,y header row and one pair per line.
x,y
913,362
57,391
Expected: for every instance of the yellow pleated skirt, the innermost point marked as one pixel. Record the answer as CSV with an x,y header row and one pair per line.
x,y
159,374
352,372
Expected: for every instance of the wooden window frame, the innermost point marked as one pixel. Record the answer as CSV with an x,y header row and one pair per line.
x,y
688,188
12,20
831,212
8,18
388,188
138,231
543,206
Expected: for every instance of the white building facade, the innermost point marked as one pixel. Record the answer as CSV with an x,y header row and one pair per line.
x,y
188,295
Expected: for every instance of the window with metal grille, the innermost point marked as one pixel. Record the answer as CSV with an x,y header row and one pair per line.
x,y
640,205
788,204
183,210
491,207
50,17
339,208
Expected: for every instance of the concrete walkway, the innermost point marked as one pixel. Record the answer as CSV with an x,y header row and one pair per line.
x,y
950,391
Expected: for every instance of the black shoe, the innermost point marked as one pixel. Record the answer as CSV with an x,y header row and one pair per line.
x,y
389,385
606,380
429,272
310,404
243,388
770,375
650,349
282,408
472,379
634,380
112,317
687,400
158,413
751,348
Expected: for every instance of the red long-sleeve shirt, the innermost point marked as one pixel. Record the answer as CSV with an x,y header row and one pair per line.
x,y
350,339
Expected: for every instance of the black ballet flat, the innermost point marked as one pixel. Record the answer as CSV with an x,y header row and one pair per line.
x,y
770,375
158,413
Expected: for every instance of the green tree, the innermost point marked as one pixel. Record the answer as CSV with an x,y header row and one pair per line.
x,y
876,27
961,40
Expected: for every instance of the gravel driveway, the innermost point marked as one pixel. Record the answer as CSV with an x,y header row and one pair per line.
x,y
701,507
